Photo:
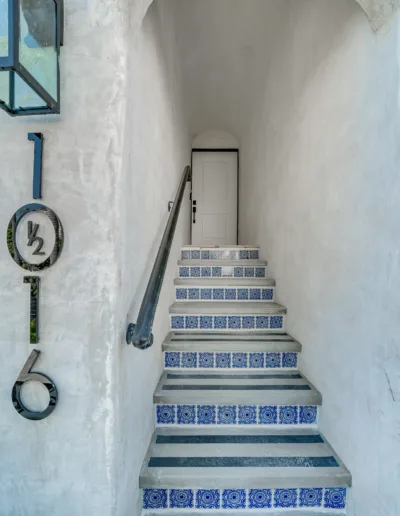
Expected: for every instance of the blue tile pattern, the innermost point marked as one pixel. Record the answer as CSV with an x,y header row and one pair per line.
x,y
247,415
243,294
220,322
248,322
206,414
234,322
289,360
260,498
308,415
208,499
223,360
236,360
186,414
276,321
189,359
230,294
155,499
255,294
206,322
335,498
181,498
268,415
267,294
194,294
227,415
177,322
285,498
165,414
206,272
227,294
181,293
230,415
225,271
233,499
218,294
191,322
311,497
237,322
206,294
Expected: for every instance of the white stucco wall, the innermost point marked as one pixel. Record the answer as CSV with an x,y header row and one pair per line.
x,y
321,196
110,191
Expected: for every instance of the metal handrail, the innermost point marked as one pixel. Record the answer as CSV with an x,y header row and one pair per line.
x,y
140,334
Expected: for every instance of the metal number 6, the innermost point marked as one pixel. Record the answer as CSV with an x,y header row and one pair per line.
x,y
27,376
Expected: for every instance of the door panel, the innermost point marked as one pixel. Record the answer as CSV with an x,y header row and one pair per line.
x,y
214,194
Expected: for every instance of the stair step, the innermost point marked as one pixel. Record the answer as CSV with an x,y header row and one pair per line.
x,y
220,253
267,342
223,315
234,387
231,294
222,269
244,459
225,282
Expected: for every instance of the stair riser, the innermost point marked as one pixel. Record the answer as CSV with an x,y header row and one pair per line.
x,y
223,271
332,499
233,294
238,360
236,415
205,253
195,322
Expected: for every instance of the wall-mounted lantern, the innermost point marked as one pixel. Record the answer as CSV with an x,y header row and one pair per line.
x,y
31,33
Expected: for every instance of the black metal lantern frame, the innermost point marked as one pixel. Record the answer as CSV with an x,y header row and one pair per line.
x,y
27,88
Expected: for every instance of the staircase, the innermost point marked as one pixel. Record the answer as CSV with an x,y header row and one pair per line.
x,y
236,420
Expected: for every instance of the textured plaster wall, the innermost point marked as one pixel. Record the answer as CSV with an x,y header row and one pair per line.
x,y
157,147
63,465
112,161
321,195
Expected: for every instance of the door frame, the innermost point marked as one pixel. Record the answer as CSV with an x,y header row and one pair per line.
x,y
203,149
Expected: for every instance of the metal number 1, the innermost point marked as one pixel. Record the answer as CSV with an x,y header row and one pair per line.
x,y
34,308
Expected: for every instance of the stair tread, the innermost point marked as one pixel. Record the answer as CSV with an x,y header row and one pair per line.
x,y
225,282
219,386
222,263
232,246
241,458
227,307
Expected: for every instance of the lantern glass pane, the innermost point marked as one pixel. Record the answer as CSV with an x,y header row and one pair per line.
x,y
5,87
25,97
3,28
38,48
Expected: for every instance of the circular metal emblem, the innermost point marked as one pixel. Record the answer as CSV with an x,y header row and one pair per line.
x,y
33,239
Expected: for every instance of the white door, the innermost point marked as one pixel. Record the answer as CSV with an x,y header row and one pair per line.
x,y
214,197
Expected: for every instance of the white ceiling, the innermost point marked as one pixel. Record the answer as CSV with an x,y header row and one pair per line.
x,y
224,50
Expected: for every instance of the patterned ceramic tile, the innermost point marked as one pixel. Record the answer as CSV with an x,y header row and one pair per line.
x,y
184,272
205,322
194,294
172,359
185,255
230,294
154,498
260,272
181,293
308,415
206,359
191,322
273,359
195,255
244,254
239,360
311,497
255,294
260,498
223,360
189,359
289,360
206,272
181,498
233,499
268,415
238,272
207,499
206,414
243,294
220,322
205,255
227,415
288,415
262,321
217,272
276,321
267,294
256,360
335,498
234,322
195,272
285,498
166,414
206,294
248,322
247,415
249,272
177,322
186,414
218,294
253,255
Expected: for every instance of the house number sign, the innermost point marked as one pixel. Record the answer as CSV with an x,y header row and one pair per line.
x,y
35,240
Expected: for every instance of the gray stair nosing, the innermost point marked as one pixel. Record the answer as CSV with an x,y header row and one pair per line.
x,y
226,308
229,346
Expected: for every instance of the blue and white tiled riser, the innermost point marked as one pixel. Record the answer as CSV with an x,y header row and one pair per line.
x,y
223,271
204,253
236,415
224,294
227,322
332,499
234,360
